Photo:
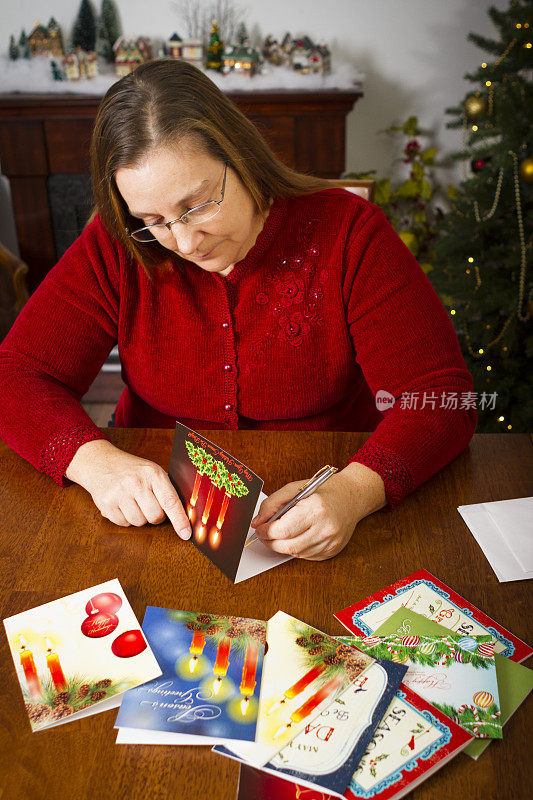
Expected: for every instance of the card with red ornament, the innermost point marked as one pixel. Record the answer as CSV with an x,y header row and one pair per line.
x,y
76,656
221,496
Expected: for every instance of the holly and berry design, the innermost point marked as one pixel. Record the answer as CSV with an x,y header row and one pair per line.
x,y
221,482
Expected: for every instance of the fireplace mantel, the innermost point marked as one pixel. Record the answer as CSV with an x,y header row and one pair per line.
x,y
46,135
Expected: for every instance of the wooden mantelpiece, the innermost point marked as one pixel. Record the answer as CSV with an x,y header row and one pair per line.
x,y
43,135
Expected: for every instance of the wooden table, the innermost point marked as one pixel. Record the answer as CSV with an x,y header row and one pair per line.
x,y
54,542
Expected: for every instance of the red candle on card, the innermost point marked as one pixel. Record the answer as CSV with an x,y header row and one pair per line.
x,y
305,681
198,643
309,706
249,670
30,673
56,671
222,662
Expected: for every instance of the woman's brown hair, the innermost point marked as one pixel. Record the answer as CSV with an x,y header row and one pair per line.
x,y
159,104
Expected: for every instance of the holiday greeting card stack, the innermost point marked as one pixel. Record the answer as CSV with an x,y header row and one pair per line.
x,y
423,676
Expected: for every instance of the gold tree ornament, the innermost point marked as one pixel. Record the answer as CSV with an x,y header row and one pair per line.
x,y
526,170
475,106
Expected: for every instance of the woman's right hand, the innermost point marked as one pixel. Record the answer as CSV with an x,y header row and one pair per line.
x,y
126,489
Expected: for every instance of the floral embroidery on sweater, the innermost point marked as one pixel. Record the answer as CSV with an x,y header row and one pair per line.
x,y
295,293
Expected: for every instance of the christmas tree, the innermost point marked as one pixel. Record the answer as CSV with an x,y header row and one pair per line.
x,y
24,48
84,33
109,29
13,49
213,59
482,250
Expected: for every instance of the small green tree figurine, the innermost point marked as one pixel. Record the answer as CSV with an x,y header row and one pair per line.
x,y
24,48
13,49
214,50
109,30
84,33
242,34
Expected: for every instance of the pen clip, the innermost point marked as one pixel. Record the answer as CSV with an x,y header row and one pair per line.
x,y
320,472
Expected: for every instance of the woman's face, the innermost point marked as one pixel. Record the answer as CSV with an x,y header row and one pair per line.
x,y
170,181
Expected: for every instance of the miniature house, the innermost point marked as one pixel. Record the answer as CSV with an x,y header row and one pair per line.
x,y
174,46
38,41
241,58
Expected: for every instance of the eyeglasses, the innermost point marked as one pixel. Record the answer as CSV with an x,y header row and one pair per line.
x,y
194,216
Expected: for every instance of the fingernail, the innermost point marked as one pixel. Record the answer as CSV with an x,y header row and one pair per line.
x,y
185,533
255,519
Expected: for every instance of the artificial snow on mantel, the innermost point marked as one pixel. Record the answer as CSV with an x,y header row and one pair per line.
x,y
34,76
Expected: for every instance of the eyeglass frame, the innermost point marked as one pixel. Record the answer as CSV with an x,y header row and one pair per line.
x,y
183,217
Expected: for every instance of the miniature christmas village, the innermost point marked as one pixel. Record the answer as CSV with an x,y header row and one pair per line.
x,y
100,38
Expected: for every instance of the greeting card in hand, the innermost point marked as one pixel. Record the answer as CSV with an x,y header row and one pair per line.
x,y
412,741
425,594
457,674
221,497
303,673
325,754
209,688
77,655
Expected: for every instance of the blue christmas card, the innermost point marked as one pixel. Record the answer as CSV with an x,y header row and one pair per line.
x,y
209,690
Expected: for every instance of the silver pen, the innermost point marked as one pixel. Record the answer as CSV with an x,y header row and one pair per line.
x,y
312,485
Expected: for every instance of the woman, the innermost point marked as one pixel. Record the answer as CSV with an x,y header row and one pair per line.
x,y
242,295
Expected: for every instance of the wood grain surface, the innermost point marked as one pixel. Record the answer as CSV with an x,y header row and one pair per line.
x,y
54,542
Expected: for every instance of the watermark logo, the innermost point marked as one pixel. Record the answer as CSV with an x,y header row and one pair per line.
x,y
450,401
384,400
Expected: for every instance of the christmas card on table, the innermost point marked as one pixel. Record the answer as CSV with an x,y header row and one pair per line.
x,y
77,655
457,674
209,688
411,742
425,594
304,671
515,681
221,497
325,754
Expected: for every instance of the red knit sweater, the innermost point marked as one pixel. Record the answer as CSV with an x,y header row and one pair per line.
x,y
326,309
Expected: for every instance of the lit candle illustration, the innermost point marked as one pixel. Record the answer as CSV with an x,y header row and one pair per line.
x,y
54,665
222,663
223,509
30,673
309,706
196,488
298,687
196,648
208,504
248,676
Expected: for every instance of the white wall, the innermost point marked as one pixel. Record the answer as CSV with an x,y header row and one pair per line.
x,y
414,54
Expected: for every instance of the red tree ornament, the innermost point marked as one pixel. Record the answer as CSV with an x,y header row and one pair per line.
x,y
128,644
99,624
109,602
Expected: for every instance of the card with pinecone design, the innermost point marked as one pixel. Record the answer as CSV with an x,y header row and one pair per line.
x,y
76,656
209,690
313,682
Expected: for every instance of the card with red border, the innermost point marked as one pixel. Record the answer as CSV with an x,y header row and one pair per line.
x,y
425,594
412,741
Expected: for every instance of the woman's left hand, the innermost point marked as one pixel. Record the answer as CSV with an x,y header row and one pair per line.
x,y
321,525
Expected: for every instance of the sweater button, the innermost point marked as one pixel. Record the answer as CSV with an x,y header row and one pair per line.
x,y
225,325
228,407
227,366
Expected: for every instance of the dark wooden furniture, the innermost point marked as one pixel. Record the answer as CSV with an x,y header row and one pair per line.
x,y
54,542
43,135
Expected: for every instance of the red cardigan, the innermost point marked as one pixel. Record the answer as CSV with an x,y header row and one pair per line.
x,y
327,308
